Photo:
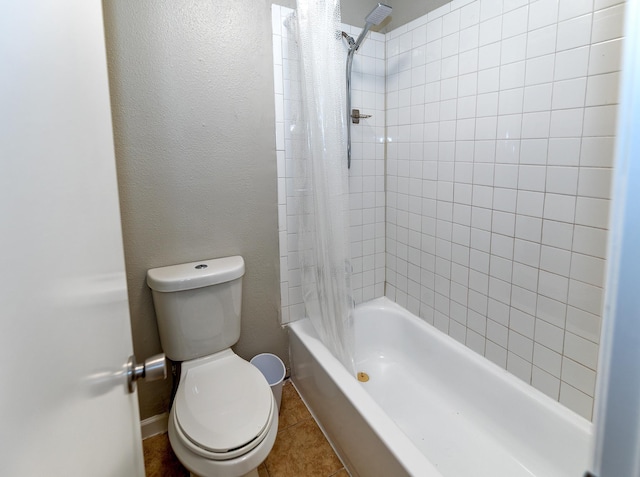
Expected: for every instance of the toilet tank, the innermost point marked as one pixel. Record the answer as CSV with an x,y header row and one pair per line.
x,y
198,306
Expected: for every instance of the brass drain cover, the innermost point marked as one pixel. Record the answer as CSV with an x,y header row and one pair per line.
x,y
363,377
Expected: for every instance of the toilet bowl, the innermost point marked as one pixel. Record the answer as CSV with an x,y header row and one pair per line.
x,y
224,418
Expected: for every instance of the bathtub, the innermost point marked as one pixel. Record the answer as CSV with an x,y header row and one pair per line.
x,y
432,407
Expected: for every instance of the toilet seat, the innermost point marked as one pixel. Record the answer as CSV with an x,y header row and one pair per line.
x,y
223,407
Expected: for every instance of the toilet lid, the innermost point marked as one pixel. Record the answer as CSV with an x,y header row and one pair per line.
x,y
223,404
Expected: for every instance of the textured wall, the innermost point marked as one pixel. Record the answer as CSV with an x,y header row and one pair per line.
x,y
192,99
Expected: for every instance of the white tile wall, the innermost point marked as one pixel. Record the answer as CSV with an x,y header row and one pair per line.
x,y
366,176
500,241
498,120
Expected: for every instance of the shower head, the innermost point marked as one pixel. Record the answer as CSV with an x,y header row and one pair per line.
x,y
375,17
378,14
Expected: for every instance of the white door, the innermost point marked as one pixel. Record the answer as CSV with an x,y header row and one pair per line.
x,y
617,417
64,322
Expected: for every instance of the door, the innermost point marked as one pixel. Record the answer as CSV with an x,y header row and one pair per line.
x,y
617,417
64,323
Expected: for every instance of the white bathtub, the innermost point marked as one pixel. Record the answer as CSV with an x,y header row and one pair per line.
x,y
432,406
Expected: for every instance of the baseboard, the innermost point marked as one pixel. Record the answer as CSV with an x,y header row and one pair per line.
x,y
154,425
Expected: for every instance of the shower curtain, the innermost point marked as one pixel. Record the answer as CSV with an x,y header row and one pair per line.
x,y
319,138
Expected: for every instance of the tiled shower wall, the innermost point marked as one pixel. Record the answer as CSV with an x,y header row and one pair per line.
x,y
366,176
500,117
500,125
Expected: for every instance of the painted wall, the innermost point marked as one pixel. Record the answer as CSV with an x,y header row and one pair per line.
x,y
192,99
500,121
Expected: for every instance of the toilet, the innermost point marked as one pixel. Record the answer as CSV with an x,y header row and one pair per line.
x,y
224,417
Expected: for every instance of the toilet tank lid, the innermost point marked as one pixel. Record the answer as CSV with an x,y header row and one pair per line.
x,y
187,276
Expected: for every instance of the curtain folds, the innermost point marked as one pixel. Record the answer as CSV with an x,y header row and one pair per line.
x,y
318,134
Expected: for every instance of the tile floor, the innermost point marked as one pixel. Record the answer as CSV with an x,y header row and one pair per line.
x,y
300,450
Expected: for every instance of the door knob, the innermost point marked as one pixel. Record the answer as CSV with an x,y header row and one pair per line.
x,y
152,369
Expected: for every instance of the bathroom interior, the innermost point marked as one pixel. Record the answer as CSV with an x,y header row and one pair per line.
x,y
479,186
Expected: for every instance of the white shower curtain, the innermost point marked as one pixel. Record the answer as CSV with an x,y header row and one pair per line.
x,y
319,139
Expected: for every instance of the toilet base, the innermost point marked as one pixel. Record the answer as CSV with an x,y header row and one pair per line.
x,y
253,473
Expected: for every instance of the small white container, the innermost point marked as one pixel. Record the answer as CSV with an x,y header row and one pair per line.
x,y
272,368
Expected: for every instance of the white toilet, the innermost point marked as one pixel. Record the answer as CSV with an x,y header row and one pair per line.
x,y
224,418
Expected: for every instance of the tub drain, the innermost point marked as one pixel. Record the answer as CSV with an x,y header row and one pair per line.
x,y
363,377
